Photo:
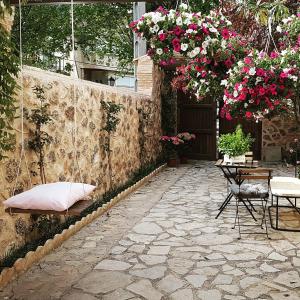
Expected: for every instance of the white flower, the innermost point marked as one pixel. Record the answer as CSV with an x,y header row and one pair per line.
x,y
156,28
194,52
235,94
252,71
184,47
279,29
246,105
190,31
224,82
213,29
179,21
224,44
240,63
204,51
205,44
183,6
159,51
294,78
240,87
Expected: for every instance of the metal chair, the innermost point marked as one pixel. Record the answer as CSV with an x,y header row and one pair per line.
x,y
249,193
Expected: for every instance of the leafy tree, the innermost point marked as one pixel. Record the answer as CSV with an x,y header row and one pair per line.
x,y
99,29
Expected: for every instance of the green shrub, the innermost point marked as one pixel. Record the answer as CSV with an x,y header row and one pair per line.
x,y
236,143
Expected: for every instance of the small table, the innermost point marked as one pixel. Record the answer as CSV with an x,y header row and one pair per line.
x,y
288,188
230,171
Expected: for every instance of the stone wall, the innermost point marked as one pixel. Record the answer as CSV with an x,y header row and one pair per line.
x,y
276,134
135,143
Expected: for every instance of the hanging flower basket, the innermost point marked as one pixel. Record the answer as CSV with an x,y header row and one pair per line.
x,y
263,86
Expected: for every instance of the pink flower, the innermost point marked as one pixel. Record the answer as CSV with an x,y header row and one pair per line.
x,y
274,55
261,91
246,70
228,63
225,34
162,37
260,72
248,114
193,26
242,97
176,44
177,31
247,60
205,30
228,116
283,75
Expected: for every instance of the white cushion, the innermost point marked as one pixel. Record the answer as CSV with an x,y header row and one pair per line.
x,y
57,196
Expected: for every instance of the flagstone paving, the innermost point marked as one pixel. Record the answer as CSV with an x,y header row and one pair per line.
x,y
163,242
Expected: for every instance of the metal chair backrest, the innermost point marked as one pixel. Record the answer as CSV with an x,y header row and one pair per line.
x,y
255,174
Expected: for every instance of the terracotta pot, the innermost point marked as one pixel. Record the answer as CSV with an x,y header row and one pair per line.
x,y
183,160
173,162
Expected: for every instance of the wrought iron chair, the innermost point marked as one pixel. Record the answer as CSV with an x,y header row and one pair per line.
x,y
249,193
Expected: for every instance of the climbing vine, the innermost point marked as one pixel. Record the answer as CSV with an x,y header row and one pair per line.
x,y
39,139
111,121
9,67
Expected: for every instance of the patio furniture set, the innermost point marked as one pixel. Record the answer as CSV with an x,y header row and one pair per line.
x,y
254,197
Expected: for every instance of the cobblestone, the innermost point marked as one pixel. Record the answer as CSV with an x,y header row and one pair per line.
x,y
163,242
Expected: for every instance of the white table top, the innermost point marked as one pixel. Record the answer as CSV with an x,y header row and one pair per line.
x,y
285,186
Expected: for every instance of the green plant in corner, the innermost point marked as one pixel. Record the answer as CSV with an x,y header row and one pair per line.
x,y
39,139
236,143
9,68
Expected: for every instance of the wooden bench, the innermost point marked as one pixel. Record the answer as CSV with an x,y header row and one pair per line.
x,y
74,210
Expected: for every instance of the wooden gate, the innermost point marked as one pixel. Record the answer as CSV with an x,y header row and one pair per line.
x,y
198,118
255,129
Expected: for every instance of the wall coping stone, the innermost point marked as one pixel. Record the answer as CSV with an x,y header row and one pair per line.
x,y
51,76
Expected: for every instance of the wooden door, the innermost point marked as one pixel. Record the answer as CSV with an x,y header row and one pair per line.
x,y
198,118
255,129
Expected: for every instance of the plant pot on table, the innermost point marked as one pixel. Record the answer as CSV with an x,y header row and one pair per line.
x,y
234,159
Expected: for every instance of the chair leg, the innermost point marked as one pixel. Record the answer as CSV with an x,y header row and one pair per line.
x,y
264,212
237,217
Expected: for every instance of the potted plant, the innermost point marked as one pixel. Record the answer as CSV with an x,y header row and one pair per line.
x,y
171,145
184,148
235,145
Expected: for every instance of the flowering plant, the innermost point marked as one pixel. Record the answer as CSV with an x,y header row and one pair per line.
x,y
290,30
190,34
204,74
262,85
171,144
209,42
188,138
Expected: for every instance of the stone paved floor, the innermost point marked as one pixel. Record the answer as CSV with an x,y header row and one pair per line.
x,y
164,243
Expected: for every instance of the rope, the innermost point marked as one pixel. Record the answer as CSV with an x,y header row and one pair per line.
x,y
21,107
74,131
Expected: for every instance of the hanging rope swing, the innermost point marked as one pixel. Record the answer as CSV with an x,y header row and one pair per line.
x,y
59,198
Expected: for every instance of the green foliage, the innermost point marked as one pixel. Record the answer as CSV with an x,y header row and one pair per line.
x,y
236,143
112,120
15,252
40,139
9,67
99,29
